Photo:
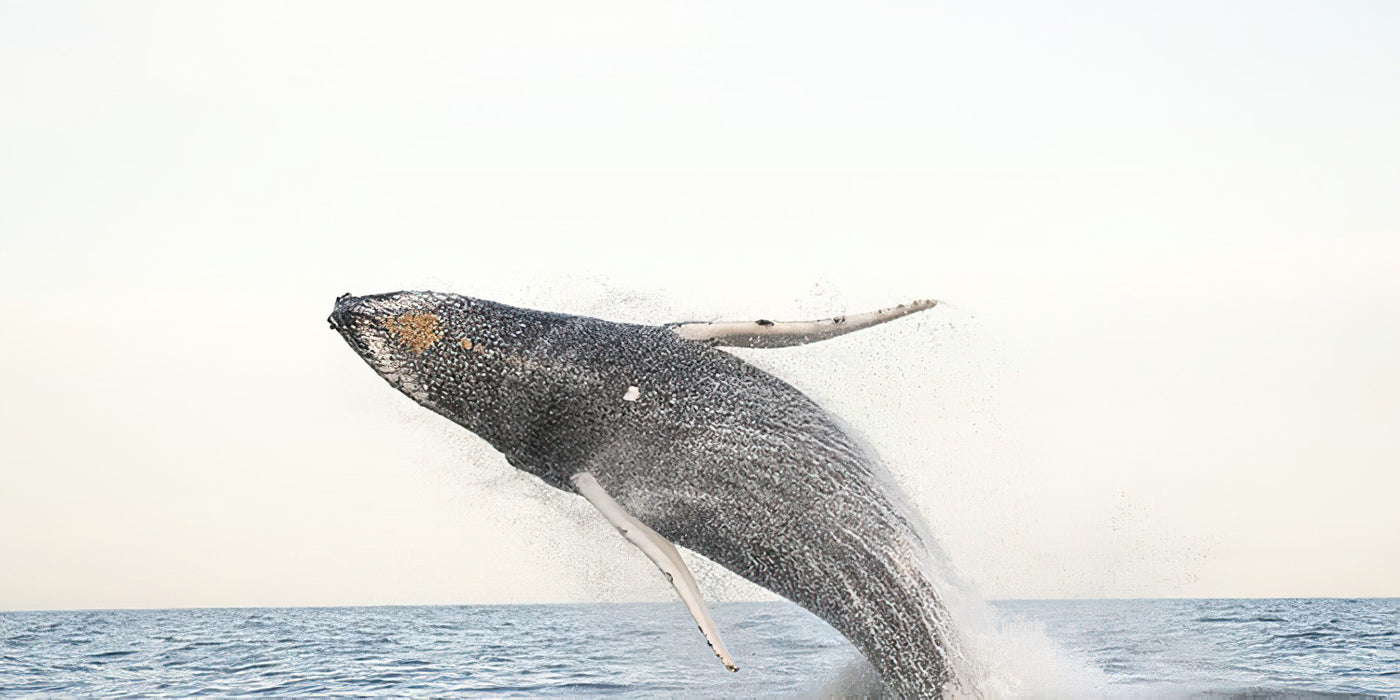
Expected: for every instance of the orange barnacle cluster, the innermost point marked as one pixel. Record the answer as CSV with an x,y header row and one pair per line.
x,y
416,331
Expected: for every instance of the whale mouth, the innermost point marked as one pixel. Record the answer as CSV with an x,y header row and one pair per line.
x,y
356,324
366,324
337,317
355,317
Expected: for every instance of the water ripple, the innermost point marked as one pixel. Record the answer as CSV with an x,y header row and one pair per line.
x,y
1227,648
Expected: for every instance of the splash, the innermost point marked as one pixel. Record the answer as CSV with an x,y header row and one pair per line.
x,y
932,376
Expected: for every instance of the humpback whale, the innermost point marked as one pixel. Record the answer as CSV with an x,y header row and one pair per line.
x,y
678,443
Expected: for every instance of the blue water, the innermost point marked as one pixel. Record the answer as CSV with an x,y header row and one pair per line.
x,y
1141,647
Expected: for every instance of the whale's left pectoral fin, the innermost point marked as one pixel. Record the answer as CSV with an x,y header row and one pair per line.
x,y
782,334
662,553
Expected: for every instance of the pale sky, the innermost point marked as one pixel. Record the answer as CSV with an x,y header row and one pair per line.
x,y
1169,237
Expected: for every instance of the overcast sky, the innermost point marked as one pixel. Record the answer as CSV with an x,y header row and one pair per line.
x,y
1169,237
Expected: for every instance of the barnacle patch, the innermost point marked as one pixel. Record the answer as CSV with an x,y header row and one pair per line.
x,y
416,331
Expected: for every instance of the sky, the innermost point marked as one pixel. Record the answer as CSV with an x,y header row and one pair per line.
x,y
1167,237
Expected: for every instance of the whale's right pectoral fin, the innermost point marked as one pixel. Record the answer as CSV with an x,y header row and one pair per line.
x,y
782,334
661,553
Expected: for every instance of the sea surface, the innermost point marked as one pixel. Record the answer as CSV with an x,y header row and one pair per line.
x,y
1143,648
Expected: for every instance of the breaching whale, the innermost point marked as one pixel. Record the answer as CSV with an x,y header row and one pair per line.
x,y
679,443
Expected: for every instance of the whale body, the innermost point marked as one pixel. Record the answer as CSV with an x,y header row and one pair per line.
x,y
678,441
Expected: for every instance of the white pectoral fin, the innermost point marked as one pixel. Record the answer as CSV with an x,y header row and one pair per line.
x,y
781,334
662,553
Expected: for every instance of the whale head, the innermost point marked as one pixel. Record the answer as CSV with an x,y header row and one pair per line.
x,y
391,332
443,350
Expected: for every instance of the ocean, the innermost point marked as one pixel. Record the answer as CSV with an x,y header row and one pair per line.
x,y
1143,648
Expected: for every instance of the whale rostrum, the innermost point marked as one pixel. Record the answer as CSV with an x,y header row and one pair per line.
x,y
679,443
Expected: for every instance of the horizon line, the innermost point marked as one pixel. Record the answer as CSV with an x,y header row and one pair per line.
x,y
659,602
